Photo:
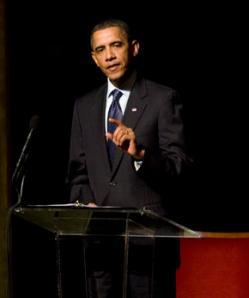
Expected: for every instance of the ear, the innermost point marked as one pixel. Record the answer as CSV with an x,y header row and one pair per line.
x,y
135,46
94,58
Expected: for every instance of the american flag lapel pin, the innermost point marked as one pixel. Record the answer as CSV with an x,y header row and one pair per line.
x,y
134,109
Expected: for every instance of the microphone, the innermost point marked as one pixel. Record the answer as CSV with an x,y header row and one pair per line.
x,y
34,122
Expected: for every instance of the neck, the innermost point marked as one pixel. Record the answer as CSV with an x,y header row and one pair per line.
x,y
127,82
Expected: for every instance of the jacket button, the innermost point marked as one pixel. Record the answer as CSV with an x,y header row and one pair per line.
x,y
112,183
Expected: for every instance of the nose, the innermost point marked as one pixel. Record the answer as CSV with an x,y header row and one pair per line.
x,y
110,55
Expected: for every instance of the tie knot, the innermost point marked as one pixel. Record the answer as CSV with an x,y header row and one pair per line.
x,y
116,95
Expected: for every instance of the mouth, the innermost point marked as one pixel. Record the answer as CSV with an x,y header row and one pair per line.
x,y
113,67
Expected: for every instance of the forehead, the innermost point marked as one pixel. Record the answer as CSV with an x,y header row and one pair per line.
x,y
107,36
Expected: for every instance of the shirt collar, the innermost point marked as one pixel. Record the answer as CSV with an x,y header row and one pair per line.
x,y
126,89
110,88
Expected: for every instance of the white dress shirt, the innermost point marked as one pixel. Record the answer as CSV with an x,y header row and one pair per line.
x,y
126,90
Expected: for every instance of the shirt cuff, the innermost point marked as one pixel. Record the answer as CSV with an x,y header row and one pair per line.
x,y
137,164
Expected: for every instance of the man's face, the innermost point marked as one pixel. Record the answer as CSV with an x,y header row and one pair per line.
x,y
112,52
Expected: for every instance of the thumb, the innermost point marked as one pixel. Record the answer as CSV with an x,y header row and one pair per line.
x,y
109,136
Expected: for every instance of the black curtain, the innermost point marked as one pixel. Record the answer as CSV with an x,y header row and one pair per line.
x,y
199,49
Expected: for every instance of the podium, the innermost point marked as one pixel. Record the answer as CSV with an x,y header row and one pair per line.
x,y
124,228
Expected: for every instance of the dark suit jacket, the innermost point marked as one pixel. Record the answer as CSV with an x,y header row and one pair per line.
x,y
154,112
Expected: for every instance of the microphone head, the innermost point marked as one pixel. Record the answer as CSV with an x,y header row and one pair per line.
x,y
34,121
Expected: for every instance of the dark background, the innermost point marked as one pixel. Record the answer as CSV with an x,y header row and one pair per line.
x,y
199,49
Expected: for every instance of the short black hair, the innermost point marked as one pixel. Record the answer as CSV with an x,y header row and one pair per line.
x,y
112,23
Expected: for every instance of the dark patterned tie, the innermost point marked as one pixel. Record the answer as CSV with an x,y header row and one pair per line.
x,y
114,112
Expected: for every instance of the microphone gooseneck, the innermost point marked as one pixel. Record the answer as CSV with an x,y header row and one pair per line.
x,y
20,165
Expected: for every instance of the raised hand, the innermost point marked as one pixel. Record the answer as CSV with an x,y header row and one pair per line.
x,y
125,138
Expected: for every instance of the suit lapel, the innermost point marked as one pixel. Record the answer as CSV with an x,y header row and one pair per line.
x,y
135,106
97,129
134,110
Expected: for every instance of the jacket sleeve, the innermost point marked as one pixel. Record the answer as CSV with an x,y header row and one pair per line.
x,y
167,157
78,180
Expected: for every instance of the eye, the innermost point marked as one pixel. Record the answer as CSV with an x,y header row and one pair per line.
x,y
99,49
117,44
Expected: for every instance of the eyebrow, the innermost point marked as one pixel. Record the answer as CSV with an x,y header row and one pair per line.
x,y
120,42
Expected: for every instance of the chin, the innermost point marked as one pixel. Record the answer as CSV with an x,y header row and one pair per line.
x,y
117,77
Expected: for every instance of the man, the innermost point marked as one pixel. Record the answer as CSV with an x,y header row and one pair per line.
x,y
125,152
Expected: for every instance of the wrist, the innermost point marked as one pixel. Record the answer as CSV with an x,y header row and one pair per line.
x,y
139,154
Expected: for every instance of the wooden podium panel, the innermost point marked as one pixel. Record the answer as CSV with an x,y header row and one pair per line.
x,y
214,266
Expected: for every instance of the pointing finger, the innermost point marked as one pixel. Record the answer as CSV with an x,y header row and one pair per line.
x,y
115,121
